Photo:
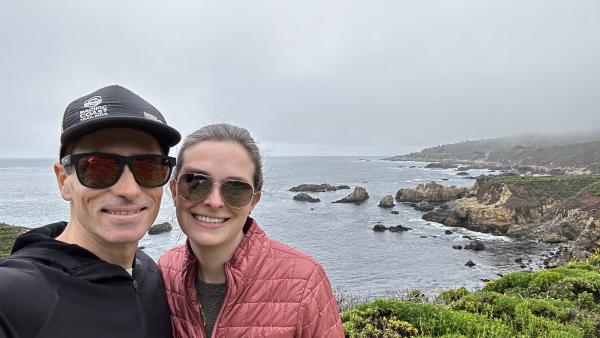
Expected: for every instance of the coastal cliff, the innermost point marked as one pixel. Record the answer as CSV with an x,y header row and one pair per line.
x,y
543,154
548,208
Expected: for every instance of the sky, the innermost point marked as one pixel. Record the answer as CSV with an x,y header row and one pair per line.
x,y
307,77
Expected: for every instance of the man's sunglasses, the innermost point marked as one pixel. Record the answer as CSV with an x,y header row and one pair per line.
x,y
102,170
196,187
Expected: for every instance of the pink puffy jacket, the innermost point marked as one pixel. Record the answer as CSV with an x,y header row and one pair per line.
x,y
272,291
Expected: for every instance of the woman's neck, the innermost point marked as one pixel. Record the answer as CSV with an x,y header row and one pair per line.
x,y
212,260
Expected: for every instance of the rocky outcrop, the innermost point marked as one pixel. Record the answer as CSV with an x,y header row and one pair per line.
x,y
430,192
387,201
589,239
398,228
475,245
358,196
441,165
550,209
424,206
304,197
159,228
317,188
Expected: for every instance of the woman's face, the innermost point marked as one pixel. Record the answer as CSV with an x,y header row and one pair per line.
x,y
211,222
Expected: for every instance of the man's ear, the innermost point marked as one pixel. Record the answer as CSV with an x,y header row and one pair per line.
x,y
61,178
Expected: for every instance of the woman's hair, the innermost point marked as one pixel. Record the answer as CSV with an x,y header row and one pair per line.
x,y
224,132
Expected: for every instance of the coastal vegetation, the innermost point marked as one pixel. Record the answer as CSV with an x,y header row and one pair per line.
x,y
8,233
556,187
559,302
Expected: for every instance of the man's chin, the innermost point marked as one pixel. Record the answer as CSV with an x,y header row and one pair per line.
x,y
126,236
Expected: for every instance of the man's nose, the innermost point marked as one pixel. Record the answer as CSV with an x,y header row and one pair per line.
x,y
126,186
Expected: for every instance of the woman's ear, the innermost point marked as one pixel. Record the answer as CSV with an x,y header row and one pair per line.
x,y
255,200
173,189
61,178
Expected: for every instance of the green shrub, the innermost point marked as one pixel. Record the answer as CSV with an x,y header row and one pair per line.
x,y
376,322
451,296
560,302
516,281
432,320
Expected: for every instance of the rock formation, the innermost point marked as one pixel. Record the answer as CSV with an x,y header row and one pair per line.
x,y
398,228
551,209
304,197
441,165
430,192
387,201
424,206
317,187
358,196
159,228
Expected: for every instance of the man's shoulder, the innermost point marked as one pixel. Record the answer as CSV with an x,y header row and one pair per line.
x,y
25,271
23,279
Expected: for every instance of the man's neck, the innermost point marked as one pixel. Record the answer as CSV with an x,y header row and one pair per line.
x,y
121,254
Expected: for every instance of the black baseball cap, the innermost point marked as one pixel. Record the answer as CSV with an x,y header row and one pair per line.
x,y
112,107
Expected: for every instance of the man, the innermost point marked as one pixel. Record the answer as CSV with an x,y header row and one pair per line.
x,y
86,277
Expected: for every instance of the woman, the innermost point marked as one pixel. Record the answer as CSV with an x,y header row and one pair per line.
x,y
230,279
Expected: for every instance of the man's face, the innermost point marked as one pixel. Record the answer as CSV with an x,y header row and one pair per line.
x,y
121,213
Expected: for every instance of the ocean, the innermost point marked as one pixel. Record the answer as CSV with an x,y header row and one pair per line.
x,y
357,260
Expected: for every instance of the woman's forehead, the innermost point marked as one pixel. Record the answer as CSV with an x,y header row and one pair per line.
x,y
218,159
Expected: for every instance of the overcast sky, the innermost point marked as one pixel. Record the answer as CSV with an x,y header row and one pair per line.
x,y
308,77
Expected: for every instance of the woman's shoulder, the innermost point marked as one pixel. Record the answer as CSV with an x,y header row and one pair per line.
x,y
172,257
283,255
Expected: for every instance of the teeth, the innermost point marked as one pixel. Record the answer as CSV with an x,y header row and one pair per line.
x,y
121,213
209,219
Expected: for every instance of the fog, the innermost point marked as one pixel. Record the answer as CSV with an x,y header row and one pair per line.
x,y
308,77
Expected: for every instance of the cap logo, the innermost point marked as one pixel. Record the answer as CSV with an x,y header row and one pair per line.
x,y
152,117
92,101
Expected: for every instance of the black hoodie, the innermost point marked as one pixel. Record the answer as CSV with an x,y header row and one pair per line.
x,y
50,288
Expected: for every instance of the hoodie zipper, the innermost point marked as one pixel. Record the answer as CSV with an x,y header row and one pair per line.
x,y
138,264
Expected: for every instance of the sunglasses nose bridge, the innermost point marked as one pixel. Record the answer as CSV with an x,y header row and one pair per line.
x,y
126,184
214,198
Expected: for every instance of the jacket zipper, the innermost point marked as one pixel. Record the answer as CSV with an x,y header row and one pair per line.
x,y
228,278
137,296
197,315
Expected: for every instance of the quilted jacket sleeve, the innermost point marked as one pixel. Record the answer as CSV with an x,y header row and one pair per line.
x,y
319,314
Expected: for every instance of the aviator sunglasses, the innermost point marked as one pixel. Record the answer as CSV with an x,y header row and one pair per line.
x,y
102,170
196,187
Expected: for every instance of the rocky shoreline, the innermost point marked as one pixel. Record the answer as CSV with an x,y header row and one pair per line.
x,y
551,209
560,210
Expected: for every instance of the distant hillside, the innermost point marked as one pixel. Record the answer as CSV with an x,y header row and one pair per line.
x,y
564,151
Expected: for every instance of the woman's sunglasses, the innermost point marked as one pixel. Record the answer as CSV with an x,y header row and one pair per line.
x,y
102,170
196,187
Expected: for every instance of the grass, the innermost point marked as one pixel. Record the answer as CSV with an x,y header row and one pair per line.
x,y
560,302
8,234
558,187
